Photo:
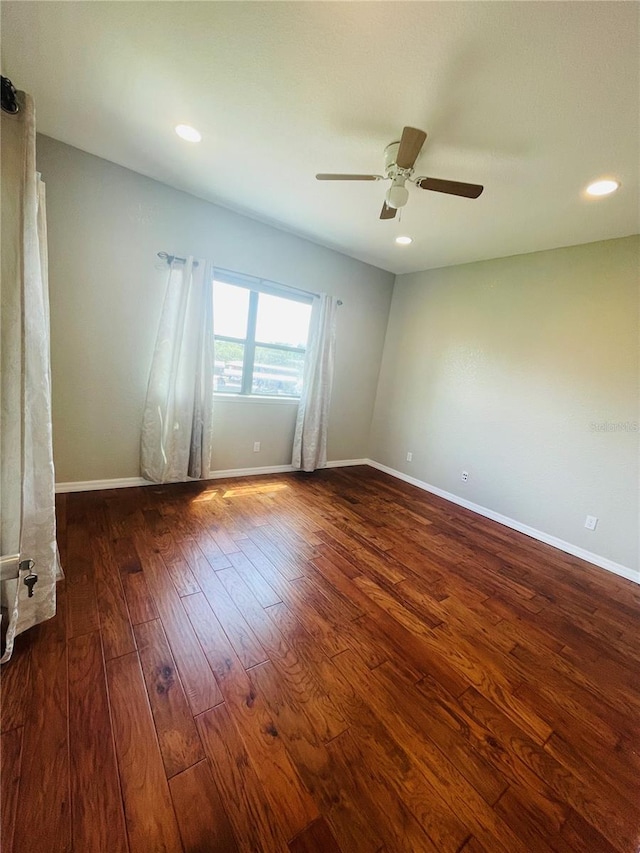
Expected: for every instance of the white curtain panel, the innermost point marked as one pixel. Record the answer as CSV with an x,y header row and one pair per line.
x,y
177,423
27,513
310,439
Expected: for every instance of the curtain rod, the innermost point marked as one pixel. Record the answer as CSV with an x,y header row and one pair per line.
x,y
171,258
9,100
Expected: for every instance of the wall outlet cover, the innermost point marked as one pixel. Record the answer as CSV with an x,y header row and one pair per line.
x,y
256,446
591,522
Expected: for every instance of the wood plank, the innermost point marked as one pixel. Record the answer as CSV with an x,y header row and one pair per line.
x,y
179,742
498,680
254,580
289,799
208,546
515,808
293,665
582,836
168,548
139,601
612,822
316,766
586,766
96,805
398,763
10,767
43,819
223,540
329,632
17,685
82,604
263,565
498,752
151,822
244,641
580,692
182,576
316,838
202,819
251,814
288,568
399,830
115,627
198,682
449,781
473,846
364,635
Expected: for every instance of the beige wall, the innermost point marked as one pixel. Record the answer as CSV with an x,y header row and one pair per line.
x,y
500,368
106,225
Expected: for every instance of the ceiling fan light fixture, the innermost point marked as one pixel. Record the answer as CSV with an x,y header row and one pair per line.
x,y
188,133
404,241
397,196
604,187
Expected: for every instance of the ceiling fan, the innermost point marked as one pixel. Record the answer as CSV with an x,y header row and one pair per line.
x,y
399,159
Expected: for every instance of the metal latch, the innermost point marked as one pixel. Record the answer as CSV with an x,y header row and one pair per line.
x,y
9,567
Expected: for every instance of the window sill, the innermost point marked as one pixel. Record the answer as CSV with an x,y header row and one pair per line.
x,y
256,398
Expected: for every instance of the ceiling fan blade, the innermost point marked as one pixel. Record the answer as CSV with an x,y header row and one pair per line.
x,y
387,212
410,146
330,177
450,187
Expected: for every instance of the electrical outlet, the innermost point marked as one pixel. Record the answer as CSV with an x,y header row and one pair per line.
x,y
591,522
465,476
409,456
256,446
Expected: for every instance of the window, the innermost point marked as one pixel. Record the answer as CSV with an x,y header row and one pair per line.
x,y
260,337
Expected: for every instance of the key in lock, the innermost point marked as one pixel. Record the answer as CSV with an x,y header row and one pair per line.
x,y
32,578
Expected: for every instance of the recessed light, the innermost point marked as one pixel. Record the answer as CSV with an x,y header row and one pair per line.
x,y
603,187
189,133
403,241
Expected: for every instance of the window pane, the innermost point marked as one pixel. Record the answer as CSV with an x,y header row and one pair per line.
x,y
227,373
277,372
230,310
282,321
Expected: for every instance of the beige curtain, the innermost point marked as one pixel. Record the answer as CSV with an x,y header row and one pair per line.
x,y
176,437
312,423
27,510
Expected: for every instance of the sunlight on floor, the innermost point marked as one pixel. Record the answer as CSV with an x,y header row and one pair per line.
x,y
240,491
209,495
262,489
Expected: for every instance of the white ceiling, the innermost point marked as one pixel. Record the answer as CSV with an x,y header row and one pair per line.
x,y
532,99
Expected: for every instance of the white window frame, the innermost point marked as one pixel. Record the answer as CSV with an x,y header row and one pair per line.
x,y
256,286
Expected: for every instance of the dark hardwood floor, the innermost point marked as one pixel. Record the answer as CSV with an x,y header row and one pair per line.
x,y
320,663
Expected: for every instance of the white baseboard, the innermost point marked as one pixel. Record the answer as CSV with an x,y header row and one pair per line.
x,y
567,547
250,472
96,485
128,482
345,463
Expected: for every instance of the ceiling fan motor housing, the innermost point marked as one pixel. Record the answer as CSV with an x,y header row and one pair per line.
x,y
391,156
